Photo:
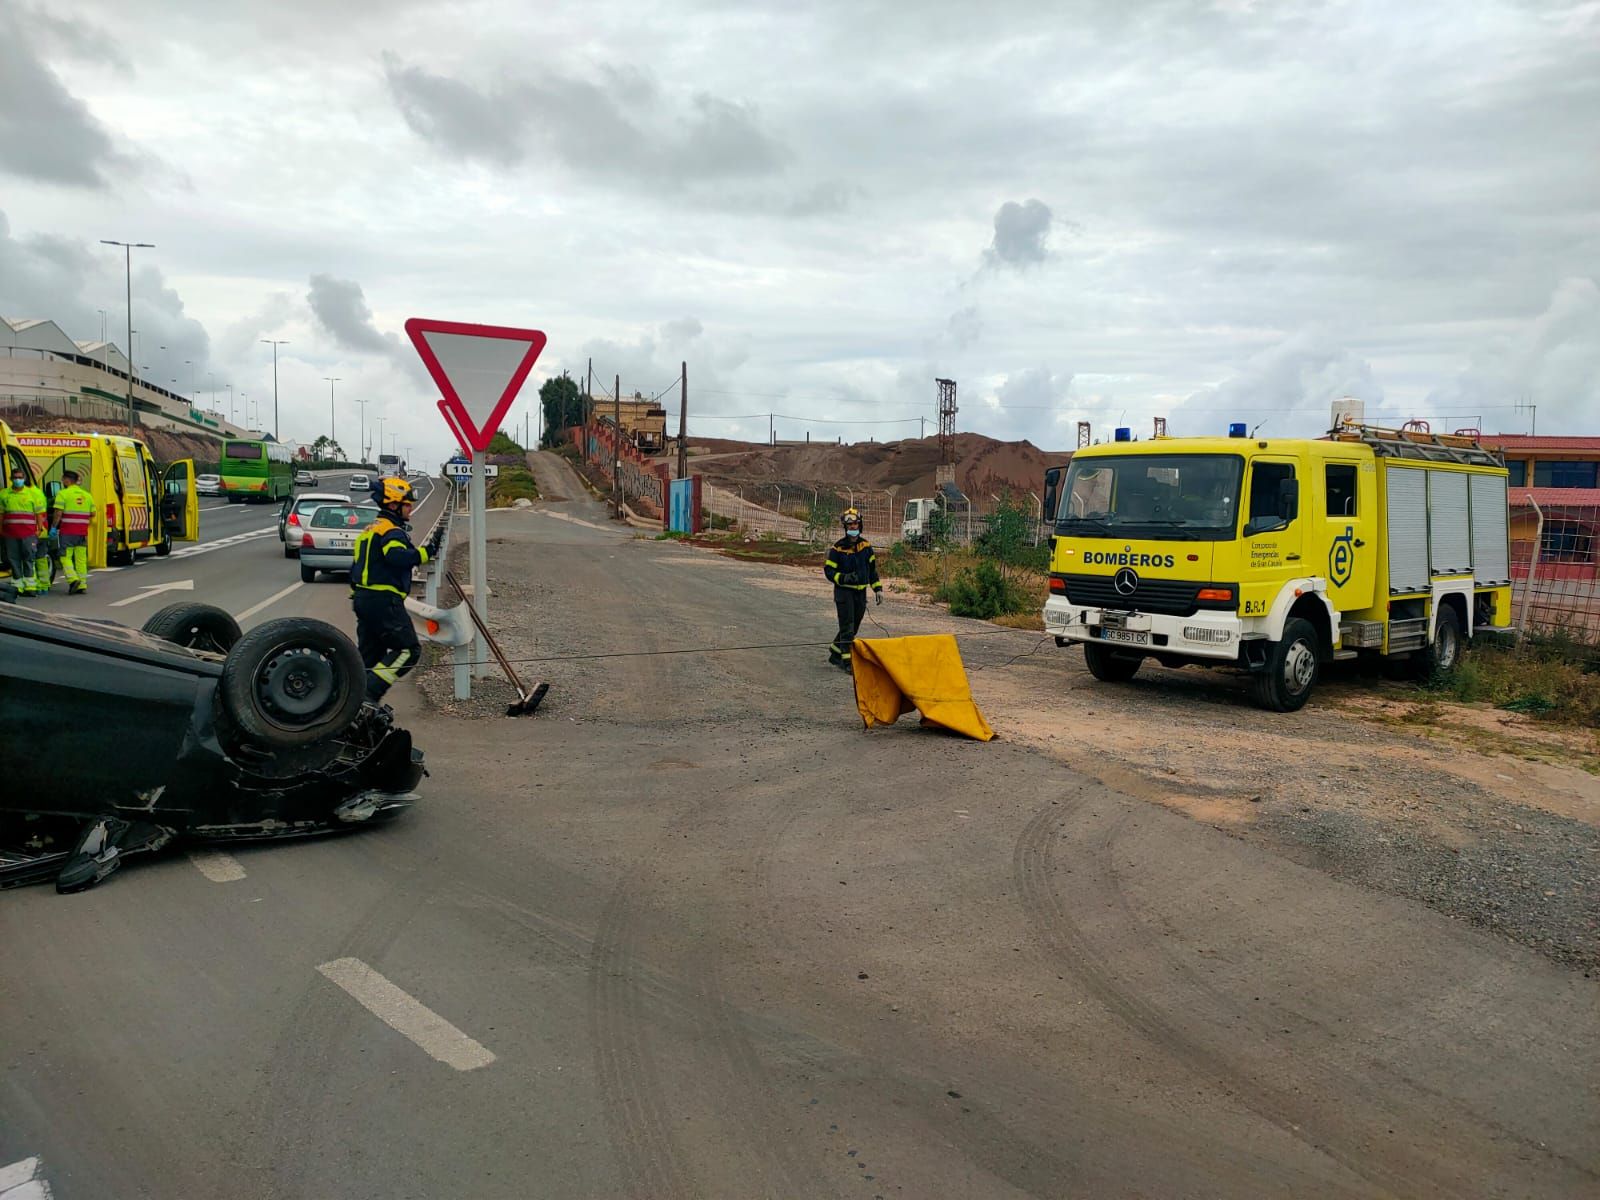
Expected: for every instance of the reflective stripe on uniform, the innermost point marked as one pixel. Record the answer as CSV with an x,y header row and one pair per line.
x,y
390,672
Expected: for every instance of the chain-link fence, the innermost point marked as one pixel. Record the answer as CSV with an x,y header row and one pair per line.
x,y
811,511
1555,570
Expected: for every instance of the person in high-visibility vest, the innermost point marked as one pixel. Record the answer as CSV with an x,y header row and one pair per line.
x,y
70,515
21,522
380,581
852,568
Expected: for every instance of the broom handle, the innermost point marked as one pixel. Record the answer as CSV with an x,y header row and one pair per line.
x,y
493,647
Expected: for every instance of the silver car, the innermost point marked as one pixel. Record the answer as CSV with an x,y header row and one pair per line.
x,y
296,513
329,539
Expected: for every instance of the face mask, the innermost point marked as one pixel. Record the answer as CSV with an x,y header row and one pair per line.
x,y
18,481
852,534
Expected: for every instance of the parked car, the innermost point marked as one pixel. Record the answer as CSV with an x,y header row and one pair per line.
x,y
217,736
208,485
360,483
296,511
304,479
328,543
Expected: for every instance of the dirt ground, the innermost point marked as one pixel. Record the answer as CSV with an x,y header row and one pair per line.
x,y
1150,942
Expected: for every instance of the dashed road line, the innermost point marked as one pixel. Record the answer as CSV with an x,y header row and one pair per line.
x,y
216,866
223,543
268,602
407,1016
24,1180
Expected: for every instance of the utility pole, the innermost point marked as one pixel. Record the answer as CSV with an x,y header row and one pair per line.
x,y
268,341
332,435
127,264
361,446
772,432
683,424
616,448
588,401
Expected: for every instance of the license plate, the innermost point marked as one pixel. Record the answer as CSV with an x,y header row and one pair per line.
x,y
340,544
1133,637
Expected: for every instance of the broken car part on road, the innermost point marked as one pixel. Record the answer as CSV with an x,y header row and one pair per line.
x,y
128,738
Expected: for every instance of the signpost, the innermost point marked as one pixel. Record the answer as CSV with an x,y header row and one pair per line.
x,y
479,369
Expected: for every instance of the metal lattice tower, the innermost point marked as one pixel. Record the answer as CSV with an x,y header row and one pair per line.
x,y
1161,427
947,422
1083,434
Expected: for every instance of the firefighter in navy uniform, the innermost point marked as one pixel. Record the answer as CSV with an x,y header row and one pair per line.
x,y
852,567
380,581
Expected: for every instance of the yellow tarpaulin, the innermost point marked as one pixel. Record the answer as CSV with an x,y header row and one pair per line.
x,y
896,675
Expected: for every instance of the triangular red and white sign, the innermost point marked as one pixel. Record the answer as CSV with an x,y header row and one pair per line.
x,y
479,370
450,420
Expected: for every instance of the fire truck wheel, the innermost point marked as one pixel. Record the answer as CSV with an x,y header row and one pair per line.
x,y
1106,665
1291,671
1444,655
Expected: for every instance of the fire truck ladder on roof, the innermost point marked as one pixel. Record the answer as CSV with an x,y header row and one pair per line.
x,y
1419,444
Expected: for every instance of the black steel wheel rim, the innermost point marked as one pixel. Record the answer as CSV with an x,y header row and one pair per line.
x,y
297,686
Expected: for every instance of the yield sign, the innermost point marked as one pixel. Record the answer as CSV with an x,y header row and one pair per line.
x,y
479,370
450,420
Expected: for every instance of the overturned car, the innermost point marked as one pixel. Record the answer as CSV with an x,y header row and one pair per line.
x,y
115,740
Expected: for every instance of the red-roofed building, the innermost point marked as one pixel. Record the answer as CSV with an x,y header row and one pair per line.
x,y
1555,497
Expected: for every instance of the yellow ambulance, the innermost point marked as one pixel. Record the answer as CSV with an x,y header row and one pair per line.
x,y
138,504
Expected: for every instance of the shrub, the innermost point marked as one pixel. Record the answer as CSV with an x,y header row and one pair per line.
x,y
511,485
982,591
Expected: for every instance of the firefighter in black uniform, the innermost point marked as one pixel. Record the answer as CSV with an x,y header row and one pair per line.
x,y
852,567
380,581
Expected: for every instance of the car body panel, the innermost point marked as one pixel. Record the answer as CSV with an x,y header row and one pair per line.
x,y
332,547
310,501
140,752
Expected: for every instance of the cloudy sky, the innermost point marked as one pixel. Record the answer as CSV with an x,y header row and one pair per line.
x,y
1078,210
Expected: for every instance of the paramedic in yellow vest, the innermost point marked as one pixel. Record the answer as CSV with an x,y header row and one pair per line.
x,y
380,581
70,514
21,522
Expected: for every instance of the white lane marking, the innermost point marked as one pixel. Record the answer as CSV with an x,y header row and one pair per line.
x,y
23,1180
407,1016
222,543
152,590
268,602
217,866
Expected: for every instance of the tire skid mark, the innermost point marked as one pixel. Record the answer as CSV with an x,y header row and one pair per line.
x,y
625,1062
1327,1063
1033,864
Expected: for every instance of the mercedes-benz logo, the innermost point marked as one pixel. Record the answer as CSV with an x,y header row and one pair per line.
x,y
1126,581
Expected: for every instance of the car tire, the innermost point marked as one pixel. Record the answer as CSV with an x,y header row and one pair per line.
x,y
292,682
164,548
290,552
1286,683
120,558
307,574
197,626
1444,654
1106,665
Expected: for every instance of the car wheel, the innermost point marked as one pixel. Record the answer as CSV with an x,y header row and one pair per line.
x,y
1106,665
292,682
197,626
1444,655
1291,671
120,558
164,548
290,552
307,574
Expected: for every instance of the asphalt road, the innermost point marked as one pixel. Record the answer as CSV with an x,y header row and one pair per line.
x,y
690,932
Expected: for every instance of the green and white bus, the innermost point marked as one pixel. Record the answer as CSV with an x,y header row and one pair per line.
x,y
261,471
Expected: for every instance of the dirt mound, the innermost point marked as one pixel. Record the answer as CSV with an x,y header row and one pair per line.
x,y
983,465
165,445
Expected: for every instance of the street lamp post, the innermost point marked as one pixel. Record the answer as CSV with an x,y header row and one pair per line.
x,y
127,263
333,436
211,386
361,441
274,344
233,413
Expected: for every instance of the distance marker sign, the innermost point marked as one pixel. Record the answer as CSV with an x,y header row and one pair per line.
x,y
479,369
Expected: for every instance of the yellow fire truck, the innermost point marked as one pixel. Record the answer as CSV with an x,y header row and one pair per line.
x,y
1278,555
138,504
